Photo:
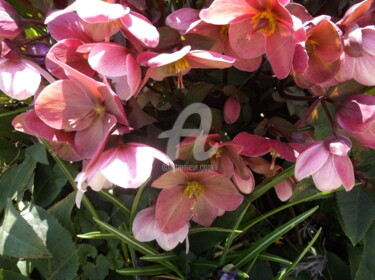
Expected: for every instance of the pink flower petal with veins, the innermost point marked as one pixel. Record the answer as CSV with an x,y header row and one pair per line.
x,y
97,11
326,178
344,169
204,213
254,145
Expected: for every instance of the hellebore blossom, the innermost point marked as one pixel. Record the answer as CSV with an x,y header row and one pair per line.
x,y
200,196
328,164
357,116
257,27
83,105
180,62
126,165
145,228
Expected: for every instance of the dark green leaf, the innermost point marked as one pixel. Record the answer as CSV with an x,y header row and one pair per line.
x,y
96,271
8,152
11,275
18,239
64,262
197,93
62,211
357,209
367,265
38,153
144,270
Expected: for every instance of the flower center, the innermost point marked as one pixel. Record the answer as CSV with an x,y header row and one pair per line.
x,y
265,22
311,46
224,31
178,67
193,189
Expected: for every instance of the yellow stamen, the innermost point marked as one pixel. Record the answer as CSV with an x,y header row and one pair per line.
x,y
311,46
224,31
178,67
193,189
265,22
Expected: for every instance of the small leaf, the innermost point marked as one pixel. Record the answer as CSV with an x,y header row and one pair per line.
x,y
38,153
357,209
18,239
96,271
64,262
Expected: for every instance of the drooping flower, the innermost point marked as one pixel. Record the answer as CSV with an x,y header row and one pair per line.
x,y
357,116
328,164
145,228
126,165
199,196
180,62
257,27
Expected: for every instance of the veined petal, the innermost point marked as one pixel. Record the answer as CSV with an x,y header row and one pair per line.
x,y
168,241
224,11
182,19
143,225
208,59
170,179
311,160
326,178
284,189
253,145
244,185
203,212
344,169
96,11
173,209
164,58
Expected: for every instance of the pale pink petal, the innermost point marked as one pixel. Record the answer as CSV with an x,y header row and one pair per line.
x,y
280,48
99,182
248,65
326,178
108,59
63,105
208,59
182,18
203,212
143,225
173,209
222,164
171,179
168,241
244,185
224,11
97,11
245,41
89,140
363,69
17,79
311,160
165,58
301,59
344,169
10,23
254,145
368,39
57,13
141,28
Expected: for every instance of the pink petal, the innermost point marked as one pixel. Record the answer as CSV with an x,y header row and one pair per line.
x,y
108,59
208,59
326,178
63,105
344,169
283,149
311,160
17,79
246,42
164,58
168,241
363,69
280,50
219,191
254,145
143,225
204,213
284,189
244,185
181,19
97,11
173,209
300,60
223,11
248,65
141,28
368,39
89,140
171,179
10,22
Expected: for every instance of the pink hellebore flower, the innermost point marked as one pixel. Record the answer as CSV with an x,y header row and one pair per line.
x,y
357,116
83,105
180,62
318,59
127,165
145,228
200,196
257,27
328,164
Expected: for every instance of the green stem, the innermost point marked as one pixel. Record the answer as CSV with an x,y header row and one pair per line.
x,y
136,203
115,201
21,110
70,178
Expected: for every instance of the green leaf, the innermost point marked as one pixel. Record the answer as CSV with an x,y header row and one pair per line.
x,y
6,274
18,239
160,257
15,179
62,211
197,93
38,153
323,128
144,270
264,242
8,151
64,262
96,235
366,267
97,271
357,209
